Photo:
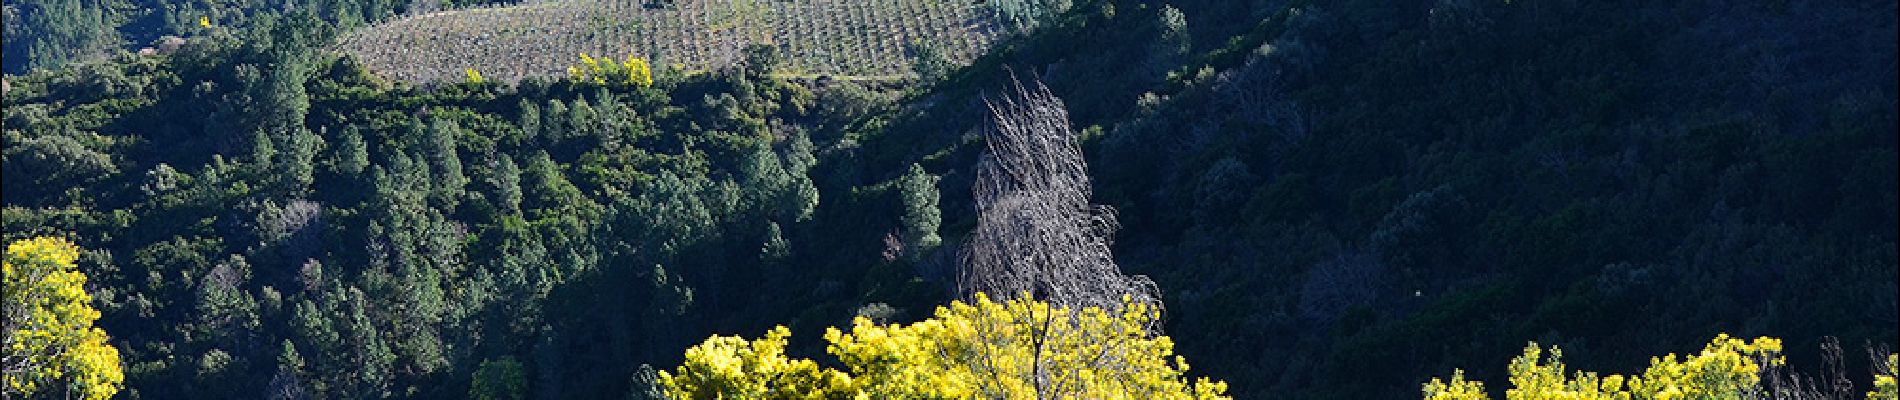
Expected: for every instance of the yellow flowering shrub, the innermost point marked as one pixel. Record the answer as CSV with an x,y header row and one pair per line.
x,y
1457,389
1728,368
474,76
604,71
49,338
730,367
1533,377
1884,385
1724,369
1019,349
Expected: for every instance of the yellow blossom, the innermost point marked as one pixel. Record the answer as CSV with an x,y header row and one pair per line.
x,y
1727,368
52,339
1019,349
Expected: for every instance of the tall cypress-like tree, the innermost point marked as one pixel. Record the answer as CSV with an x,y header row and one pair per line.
x,y
440,151
529,119
297,166
352,154
507,181
921,218
801,197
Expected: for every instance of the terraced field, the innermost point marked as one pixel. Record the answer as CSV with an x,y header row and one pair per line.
x,y
849,38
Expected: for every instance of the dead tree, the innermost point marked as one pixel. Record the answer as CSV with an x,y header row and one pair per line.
x,y
1037,235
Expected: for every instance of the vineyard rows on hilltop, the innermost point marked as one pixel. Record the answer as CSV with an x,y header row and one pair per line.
x,y
816,37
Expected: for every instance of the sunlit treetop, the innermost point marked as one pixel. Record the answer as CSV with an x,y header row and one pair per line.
x,y
1728,368
49,337
605,71
1019,349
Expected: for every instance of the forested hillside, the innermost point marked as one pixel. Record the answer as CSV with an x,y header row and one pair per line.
x,y
1310,199
52,33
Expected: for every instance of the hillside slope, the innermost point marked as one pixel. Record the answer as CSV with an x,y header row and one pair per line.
x,y
816,37
1339,198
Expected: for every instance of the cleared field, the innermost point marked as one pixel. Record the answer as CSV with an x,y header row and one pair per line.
x,y
861,38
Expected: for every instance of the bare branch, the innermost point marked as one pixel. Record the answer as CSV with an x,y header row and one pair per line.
x,y
1037,235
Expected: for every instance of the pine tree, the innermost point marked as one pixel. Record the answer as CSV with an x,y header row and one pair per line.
x,y
529,119
507,181
299,160
445,163
352,154
921,217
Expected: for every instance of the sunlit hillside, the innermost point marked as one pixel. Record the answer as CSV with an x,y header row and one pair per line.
x,y
817,37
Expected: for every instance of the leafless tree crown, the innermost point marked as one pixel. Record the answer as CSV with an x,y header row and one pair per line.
x,y
1037,234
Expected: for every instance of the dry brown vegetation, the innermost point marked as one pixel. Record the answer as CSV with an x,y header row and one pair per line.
x,y
857,38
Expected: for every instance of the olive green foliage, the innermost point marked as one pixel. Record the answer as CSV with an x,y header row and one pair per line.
x,y
501,379
931,65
